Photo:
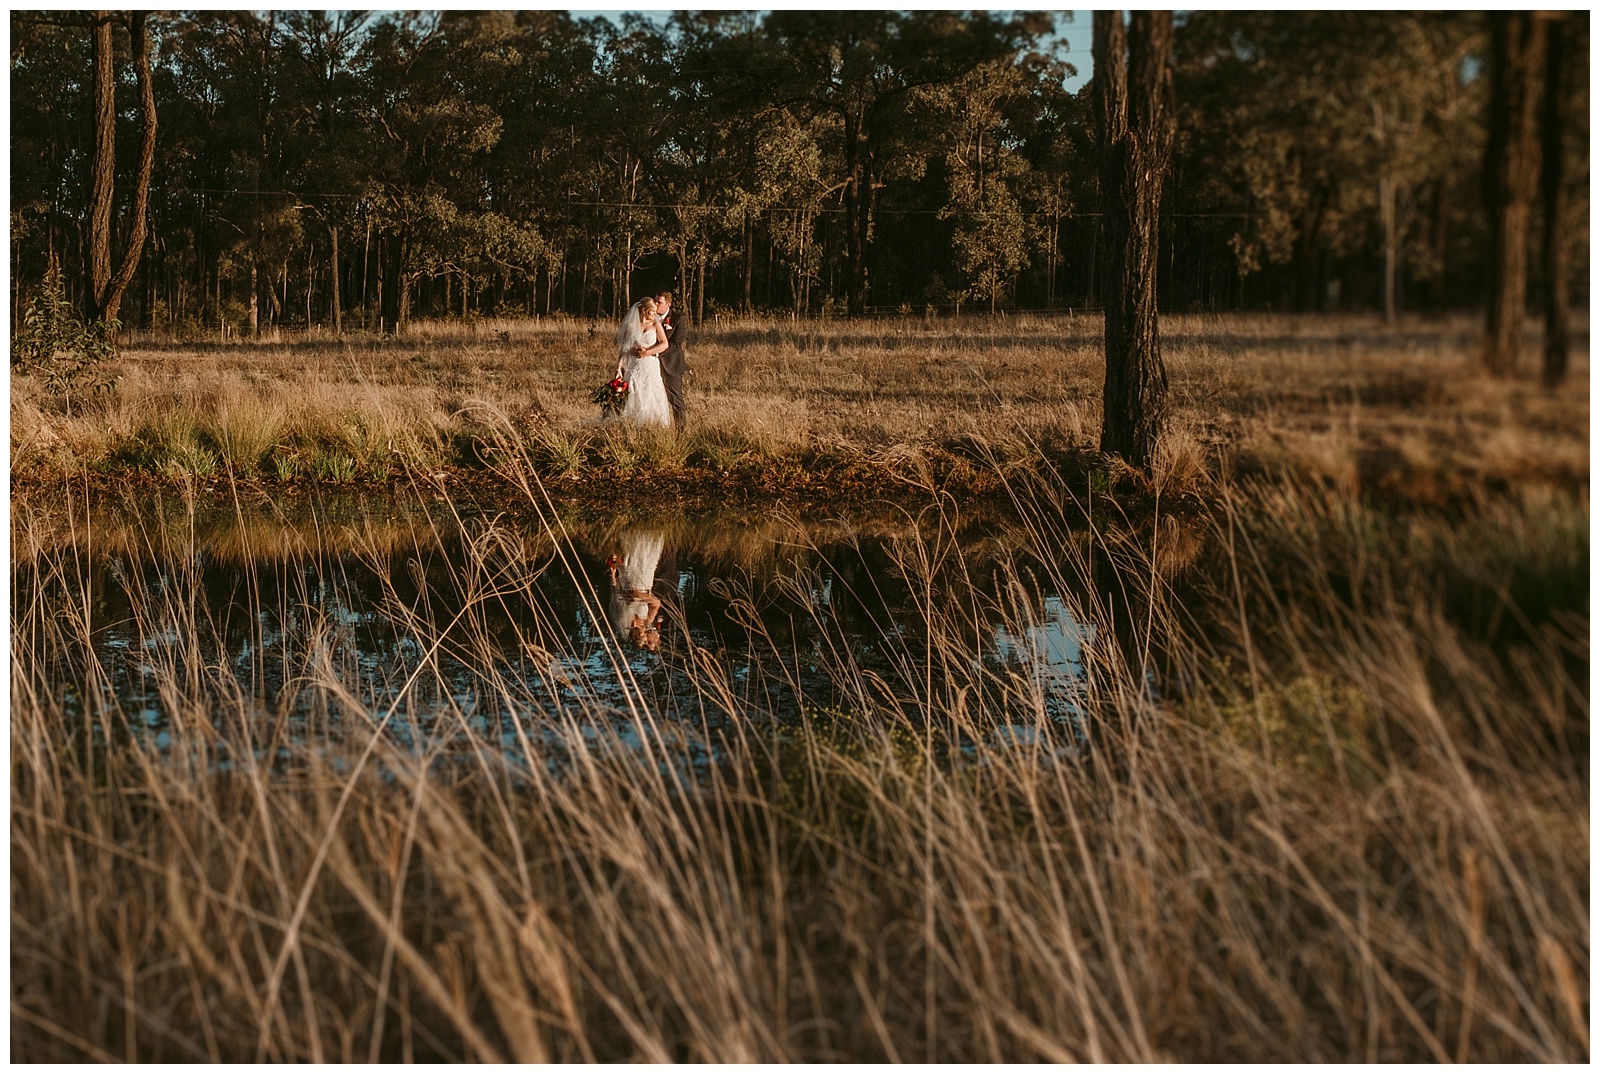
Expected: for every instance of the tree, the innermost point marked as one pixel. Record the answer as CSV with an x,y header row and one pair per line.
x,y
1134,127
984,173
1552,191
317,164
105,285
862,66
1510,176
1326,136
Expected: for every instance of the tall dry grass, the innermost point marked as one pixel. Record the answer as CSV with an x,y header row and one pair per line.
x,y
1348,822
1402,410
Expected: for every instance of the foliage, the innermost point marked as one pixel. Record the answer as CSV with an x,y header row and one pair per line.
x,y
53,342
435,163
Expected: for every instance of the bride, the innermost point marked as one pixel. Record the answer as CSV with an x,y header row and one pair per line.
x,y
635,609
640,341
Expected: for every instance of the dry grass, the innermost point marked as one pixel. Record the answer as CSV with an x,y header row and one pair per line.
x,y
1352,826
1343,400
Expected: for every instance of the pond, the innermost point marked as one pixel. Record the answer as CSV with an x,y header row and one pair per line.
x,y
453,628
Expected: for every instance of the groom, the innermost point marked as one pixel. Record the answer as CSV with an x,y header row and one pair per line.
x,y
672,359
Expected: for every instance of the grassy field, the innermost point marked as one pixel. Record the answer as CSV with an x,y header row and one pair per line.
x,y
1349,824
1403,411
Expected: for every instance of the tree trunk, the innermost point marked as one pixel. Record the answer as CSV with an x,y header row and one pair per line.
x,y
333,276
749,262
366,280
255,301
1552,183
105,286
1510,172
103,165
700,282
1438,289
391,281
858,216
1386,212
1134,127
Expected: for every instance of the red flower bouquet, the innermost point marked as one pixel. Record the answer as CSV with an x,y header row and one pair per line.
x,y
612,395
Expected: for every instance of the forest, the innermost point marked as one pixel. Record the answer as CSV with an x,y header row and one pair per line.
x,y
337,168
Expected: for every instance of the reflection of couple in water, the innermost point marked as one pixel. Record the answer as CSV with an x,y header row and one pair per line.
x,y
635,609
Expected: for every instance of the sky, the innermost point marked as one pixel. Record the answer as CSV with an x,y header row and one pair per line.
x,y
1073,26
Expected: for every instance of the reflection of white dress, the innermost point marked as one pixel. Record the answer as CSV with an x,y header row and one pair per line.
x,y
636,573
647,397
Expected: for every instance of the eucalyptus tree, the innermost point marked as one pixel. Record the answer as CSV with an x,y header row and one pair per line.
x,y
64,68
1565,64
798,178
107,283
324,101
435,135
51,142
629,130
985,174
1334,135
1134,126
863,67
1050,127
737,160
1510,176
1266,132
535,174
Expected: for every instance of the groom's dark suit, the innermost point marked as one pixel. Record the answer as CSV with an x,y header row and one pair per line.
x,y
673,364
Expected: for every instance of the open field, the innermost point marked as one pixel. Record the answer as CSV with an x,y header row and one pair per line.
x,y
1321,792
1402,411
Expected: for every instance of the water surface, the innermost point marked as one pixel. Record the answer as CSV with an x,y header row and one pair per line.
x,y
451,629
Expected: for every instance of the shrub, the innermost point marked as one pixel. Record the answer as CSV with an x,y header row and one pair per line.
x,y
54,343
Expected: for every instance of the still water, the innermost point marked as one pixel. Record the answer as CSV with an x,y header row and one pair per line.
x,y
450,629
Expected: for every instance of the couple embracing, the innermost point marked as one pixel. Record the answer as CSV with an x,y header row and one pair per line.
x,y
650,359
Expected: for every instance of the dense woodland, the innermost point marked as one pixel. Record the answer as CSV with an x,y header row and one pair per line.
x,y
333,168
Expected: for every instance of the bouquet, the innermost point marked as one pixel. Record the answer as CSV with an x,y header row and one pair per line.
x,y
612,395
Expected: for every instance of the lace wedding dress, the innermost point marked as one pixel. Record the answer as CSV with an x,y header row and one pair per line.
x,y
647,396
633,606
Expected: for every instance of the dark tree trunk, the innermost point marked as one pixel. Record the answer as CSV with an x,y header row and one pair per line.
x,y
1438,289
1310,288
103,165
749,262
1510,173
1134,126
1391,248
333,280
105,286
700,282
390,283
858,216
1552,183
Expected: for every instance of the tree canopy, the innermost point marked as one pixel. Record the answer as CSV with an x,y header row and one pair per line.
x,y
400,164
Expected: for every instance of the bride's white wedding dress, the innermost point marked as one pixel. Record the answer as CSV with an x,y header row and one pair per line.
x,y
646,403
636,575
647,396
